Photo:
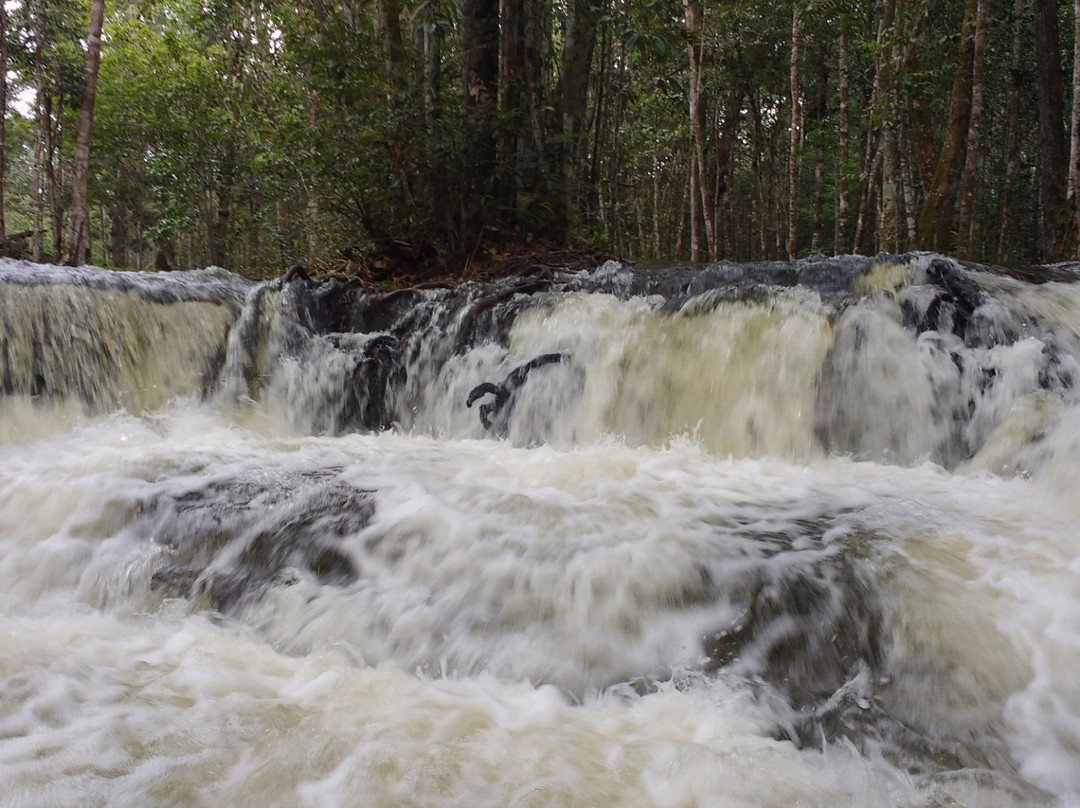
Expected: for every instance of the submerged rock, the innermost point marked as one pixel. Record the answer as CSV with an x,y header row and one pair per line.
x,y
229,541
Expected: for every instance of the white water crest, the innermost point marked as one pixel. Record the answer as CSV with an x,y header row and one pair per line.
x,y
760,543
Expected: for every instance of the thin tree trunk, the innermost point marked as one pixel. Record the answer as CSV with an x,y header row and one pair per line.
x,y
3,117
512,108
793,150
1052,154
80,224
613,209
725,145
657,251
868,197
388,21
311,191
1012,139
681,232
53,181
907,187
889,221
480,61
221,228
820,111
439,220
760,182
581,21
695,213
1074,153
920,141
932,224
840,237
37,243
965,236
695,29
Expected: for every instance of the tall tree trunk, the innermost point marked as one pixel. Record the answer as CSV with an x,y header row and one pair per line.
x,y
889,223
36,204
965,235
221,225
1012,137
480,62
439,219
80,223
3,117
657,250
695,213
695,29
918,122
580,38
907,183
613,221
1074,152
311,191
793,149
821,109
932,219
512,107
53,172
681,229
537,59
868,194
725,145
1052,156
388,21
840,245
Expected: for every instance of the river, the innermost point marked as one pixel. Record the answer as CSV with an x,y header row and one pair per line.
x,y
759,535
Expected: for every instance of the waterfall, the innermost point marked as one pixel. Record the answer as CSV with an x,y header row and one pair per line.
x,y
759,534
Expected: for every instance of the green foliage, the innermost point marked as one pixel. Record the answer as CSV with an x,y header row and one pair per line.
x,y
261,134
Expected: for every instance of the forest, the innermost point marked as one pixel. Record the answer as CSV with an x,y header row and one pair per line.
x,y
257,135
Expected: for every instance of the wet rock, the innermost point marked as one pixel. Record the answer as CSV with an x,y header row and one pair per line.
x,y
230,541
805,628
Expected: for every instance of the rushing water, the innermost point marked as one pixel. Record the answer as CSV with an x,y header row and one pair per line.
x,y
762,535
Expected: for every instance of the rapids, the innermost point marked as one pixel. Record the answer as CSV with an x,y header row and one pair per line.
x,y
764,535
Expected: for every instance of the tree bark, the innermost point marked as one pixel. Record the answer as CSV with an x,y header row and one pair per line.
x,y
840,235
932,224
821,109
439,220
965,234
1074,152
388,18
889,223
1052,156
480,62
53,175
695,29
725,146
1012,139
695,213
512,106
793,147
221,225
866,197
3,117
37,211
80,223
573,99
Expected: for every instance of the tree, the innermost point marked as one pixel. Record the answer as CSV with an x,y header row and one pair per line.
x,y
80,220
978,78
1052,158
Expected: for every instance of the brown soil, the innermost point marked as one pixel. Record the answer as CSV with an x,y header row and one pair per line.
x,y
399,266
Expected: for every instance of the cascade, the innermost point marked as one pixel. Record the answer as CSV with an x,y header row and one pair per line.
x,y
772,533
